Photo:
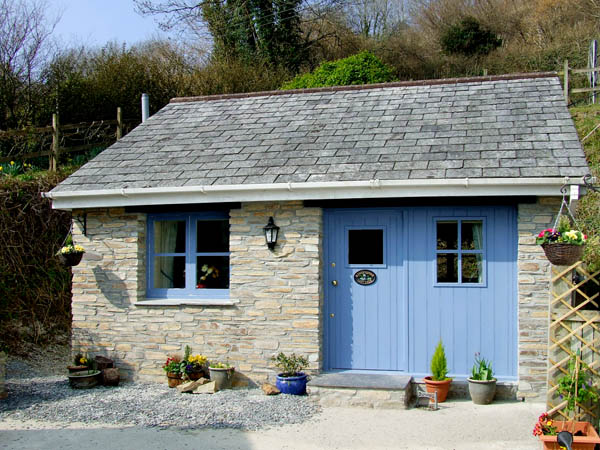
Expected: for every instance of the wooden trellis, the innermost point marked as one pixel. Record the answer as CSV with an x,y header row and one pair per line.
x,y
574,325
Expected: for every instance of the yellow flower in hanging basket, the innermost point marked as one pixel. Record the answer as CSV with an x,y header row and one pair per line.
x,y
67,249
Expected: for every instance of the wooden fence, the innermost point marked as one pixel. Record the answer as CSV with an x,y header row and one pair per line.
x,y
567,73
574,326
57,147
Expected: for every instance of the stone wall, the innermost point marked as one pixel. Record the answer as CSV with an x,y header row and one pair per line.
x,y
277,295
534,297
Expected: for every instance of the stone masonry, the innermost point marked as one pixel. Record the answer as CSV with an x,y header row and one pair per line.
x,y
534,297
277,295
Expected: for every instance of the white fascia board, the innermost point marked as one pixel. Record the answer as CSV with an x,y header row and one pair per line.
x,y
308,191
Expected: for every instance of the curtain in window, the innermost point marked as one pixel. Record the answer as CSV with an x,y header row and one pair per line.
x,y
478,235
165,238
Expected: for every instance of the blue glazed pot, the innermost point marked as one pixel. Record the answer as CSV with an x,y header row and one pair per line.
x,y
292,385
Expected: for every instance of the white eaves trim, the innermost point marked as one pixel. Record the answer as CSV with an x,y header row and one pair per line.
x,y
463,187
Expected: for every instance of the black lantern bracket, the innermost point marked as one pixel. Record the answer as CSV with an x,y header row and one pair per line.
x,y
271,231
82,220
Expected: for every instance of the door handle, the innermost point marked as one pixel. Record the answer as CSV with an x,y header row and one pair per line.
x,y
334,282
331,315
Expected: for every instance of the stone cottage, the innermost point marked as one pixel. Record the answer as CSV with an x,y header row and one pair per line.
x,y
407,213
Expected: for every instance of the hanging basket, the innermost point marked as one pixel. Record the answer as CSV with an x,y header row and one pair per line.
x,y
563,254
70,259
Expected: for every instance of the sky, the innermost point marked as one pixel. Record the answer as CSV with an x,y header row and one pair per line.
x,y
95,22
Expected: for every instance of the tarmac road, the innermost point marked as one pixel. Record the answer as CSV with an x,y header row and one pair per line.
x,y
458,424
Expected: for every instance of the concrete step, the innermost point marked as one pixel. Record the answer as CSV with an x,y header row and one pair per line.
x,y
371,390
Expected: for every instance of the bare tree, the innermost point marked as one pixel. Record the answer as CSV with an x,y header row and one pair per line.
x,y
375,18
25,30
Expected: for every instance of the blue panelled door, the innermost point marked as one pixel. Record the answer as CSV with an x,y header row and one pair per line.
x,y
445,273
365,323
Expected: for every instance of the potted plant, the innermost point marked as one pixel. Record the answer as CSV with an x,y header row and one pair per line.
x,y
173,369
438,381
582,435
70,254
291,380
222,374
563,246
209,275
194,366
85,375
482,384
80,362
576,388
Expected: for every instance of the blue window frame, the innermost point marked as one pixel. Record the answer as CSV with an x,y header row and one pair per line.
x,y
460,251
188,255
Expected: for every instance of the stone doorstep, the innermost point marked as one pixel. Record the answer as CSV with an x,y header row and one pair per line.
x,y
385,391
362,390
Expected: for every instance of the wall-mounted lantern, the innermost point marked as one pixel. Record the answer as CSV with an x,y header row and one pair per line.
x,y
271,232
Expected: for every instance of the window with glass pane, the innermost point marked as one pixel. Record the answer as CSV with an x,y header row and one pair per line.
x,y
169,251
188,255
365,247
212,254
459,264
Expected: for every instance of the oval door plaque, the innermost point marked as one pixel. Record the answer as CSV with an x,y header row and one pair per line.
x,y
365,277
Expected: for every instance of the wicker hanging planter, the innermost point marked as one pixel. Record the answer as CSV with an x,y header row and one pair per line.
x,y
563,254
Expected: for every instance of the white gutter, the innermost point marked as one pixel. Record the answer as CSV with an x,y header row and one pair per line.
x,y
464,187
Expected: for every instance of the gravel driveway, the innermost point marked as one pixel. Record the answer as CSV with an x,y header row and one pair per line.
x,y
33,396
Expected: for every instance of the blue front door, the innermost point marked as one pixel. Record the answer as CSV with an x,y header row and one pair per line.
x,y
446,272
365,301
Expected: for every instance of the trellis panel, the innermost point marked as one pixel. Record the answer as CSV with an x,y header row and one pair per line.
x,y
572,328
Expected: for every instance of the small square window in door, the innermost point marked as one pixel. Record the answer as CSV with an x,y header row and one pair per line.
x,y
365,247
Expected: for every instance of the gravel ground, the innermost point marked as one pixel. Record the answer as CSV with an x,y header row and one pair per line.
x,y
33,396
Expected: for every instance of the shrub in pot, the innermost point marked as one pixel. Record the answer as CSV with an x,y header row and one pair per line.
x,y
482,384
438,381
291,380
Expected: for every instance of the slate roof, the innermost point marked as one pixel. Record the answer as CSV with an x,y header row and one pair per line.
x,y
492,127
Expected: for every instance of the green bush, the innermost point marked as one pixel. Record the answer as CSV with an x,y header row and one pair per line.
x,y
468,38
439,368
362,68
290,366
35,297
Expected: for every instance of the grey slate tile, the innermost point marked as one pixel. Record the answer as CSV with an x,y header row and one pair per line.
x,y
502,128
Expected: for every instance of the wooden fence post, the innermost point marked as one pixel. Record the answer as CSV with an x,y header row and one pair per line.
x,y
119,123
566,88
55,143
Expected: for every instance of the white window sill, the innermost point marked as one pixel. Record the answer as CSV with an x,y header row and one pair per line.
x,y
187,302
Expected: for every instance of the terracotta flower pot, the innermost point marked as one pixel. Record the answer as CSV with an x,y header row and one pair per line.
x,y
441,387
174,379
197,374
586,441
79,368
